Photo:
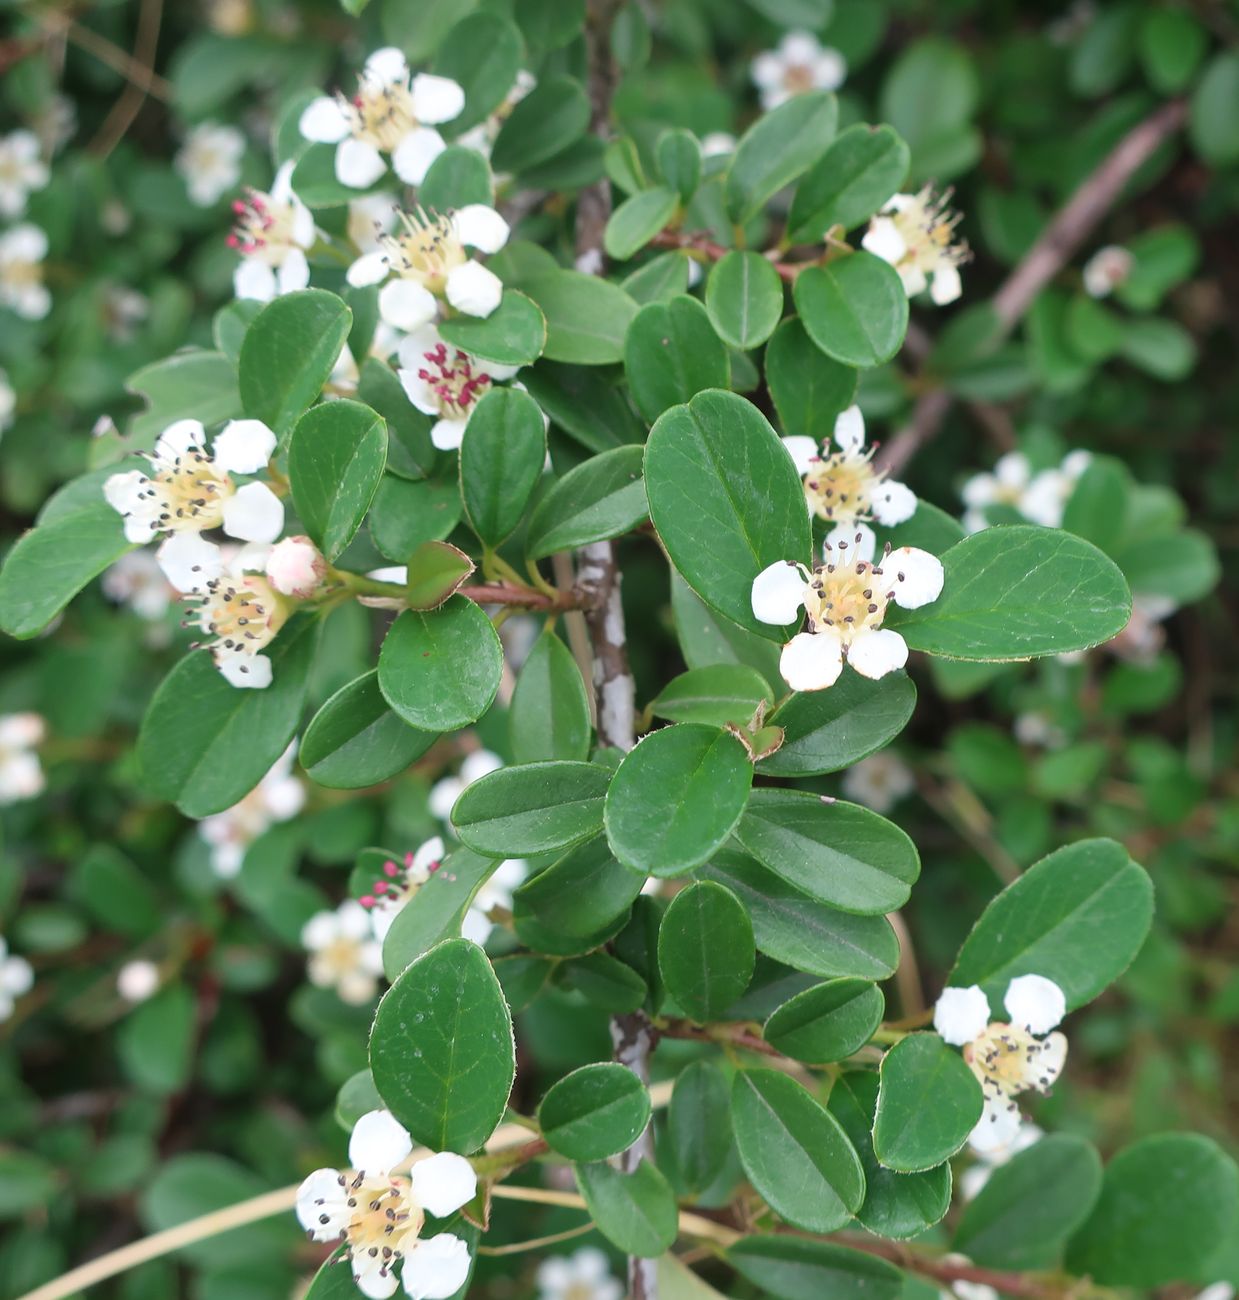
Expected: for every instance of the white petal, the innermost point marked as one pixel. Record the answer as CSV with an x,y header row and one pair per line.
x,y
426,856
436,99
443,1183
324,121
918,576
811,661
419,392
321,1194
855,541
1053,1058
803,450
893,503
387,65
16,976
374,1278
447,435
180,438
767,70
1036,1003
294,272
883,240
480,763
873,654
245,672
320,930
778,593
358,164
243,447
254,514
254,279
830,70
961,1015
189,561
405,305
914,280
123,491
481,227
1012,471
997,1128
436,1268
443,796
474,290
414,154
799,48
850,429
945,286
379,1142
370,268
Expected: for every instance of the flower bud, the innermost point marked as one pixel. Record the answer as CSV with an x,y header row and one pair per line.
x,y
295,567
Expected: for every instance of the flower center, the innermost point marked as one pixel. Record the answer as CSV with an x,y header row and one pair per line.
x,y
242,614
1007,1060
846,595
927,226
382,113
394,891
427,251
263,227
453,380
190,492
338,959
20,273
843,485
797,77
384,1217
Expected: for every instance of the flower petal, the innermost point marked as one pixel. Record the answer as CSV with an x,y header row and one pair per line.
x,y
243,447
945,286
918,576
893,503
447,435
189,561
320,1197
179,439
254,279
481,227
877,652
1036,1003
436,1268
961,1014
443,1183
254,514
473,289
387,65
379,1143
406,305
370,268
358,164
778,593
436,99
413,155
426,857
294,272
883,240
324,121
812,661
803,450
850,429
848,543
244,671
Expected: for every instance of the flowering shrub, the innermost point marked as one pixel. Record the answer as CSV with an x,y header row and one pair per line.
x,y
611,622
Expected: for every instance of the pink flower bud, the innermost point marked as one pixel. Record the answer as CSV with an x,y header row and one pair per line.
x,y
295,567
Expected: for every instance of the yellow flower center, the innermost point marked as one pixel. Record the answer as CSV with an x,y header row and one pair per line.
x,y
191,492
385,1220
241,613
1008,1060
427,251
842,486
849,597
382,113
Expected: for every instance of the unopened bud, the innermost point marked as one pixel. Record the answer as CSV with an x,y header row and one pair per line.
x,y
296,567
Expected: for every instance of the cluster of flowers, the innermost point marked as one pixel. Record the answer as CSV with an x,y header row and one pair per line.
x,y
1039,497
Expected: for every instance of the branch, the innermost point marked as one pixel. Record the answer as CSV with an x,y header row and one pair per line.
x,y
1058,243
700,242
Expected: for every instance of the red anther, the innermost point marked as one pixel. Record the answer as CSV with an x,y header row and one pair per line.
x,y
434,866
408,859
390,867
380,886
367,900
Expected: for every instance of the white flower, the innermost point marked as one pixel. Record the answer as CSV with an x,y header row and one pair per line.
x,y
1106,270
138,980
1006,1058
495,893
188,491
21,775
124,309
1034,728
1045,499
445,792
380,1214
388,115
428,261
846,599
481,138
22,250
272,233
1217,1291
8,401
1005,486
1142,639
370,217
445,382
584,1275
388,896
799,63
295,567
16,978
210,161
962,1289
992,1151
278,797
21,171
842,486
915,233
138,581
344,954
718,143
879,781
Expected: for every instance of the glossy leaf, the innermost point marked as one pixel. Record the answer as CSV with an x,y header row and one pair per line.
x,y
863,167
549,714
594,1112
501,459
671,352
855,309
744,297
714,696
827,1022
928,1103
705,949
577,902
514,334
809,389
635,1211
637,220
793,1268
776,149
586,316
699,1124
595,501
534,808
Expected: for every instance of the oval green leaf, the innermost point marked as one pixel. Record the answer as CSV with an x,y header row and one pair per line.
x,y
777,148
863,167
855,309
705,949
594,1112
593,502
809,390
793,1268
514,334
549,714
501,459
671,352
744,297
586,316
534,808
714,695
636,1211
928,1103
826,1022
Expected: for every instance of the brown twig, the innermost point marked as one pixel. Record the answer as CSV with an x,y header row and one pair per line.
x,y
127,107
1059,241
150,82
499,593
700,242
732,1036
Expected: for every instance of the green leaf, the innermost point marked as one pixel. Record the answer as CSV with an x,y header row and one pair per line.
x,y
410,453
550,118
437,908
726,500
440,669
441,1050
838,853
482,54
407,514
827,1022
594,1112
605,982
676,798
855,308
1167,1203
514,334
355,740
436,570
334,1279
896,1205
76,538
699,1125
501,459
707,638
715,695
1213,118
794,1152
314,179
228,329
672,352
809,390
1078,917
459,175
929,97
660,279
549,714
744,297
155,1043
826,731
534,808
191,385
705,949
928,1103
776,149
863,167
635,1211
204,744
597,500
1031,1205
795,929
336,456
1017,592
586,403
288,355
679,162
586,316
1172,44
637,220
792,1268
